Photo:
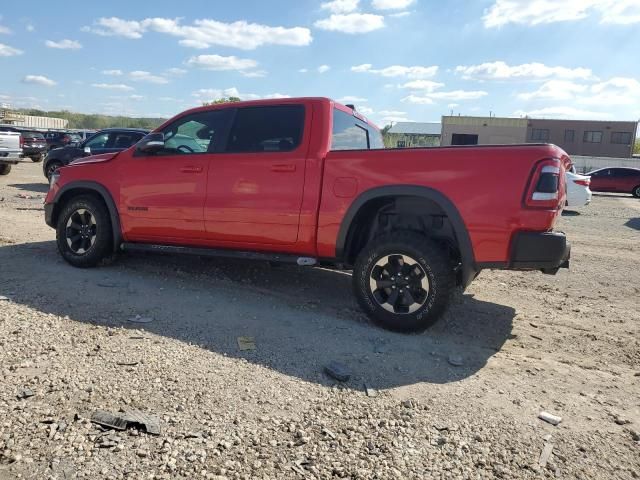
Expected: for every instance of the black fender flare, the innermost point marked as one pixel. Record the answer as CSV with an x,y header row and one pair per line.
x,y
104,193
469,269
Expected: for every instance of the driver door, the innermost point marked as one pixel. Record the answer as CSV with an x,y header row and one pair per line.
x,y
162,195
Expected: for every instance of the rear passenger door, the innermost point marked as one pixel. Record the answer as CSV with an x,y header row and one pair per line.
x,y
255,187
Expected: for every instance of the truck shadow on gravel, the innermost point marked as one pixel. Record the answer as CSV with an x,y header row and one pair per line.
x,y
301,318
31,187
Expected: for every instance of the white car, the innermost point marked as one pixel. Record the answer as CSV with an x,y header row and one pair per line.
x,y
578,193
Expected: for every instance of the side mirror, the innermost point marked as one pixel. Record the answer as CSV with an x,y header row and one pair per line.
x,y
151,143
87,150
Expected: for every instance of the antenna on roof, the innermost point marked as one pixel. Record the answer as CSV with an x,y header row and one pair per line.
x,y
351,106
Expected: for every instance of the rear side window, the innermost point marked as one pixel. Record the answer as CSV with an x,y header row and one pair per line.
x,y
267,129
349,133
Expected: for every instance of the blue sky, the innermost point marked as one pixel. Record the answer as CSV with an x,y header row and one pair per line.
x,y
395,59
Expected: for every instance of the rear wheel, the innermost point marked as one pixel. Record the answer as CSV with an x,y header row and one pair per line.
x,y
636,192
36,158
403,281
5,168
83,232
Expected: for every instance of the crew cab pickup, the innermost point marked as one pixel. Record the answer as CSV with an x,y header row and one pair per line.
x,y
308,180
10,150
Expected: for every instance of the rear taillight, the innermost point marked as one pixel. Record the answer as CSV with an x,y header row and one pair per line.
x,y
584,183
546,185
21,141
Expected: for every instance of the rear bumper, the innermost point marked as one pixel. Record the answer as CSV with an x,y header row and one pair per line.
x,y
546,251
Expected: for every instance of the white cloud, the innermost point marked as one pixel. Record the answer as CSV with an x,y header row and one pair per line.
x,y
205,33
365,110
352,99
323,68
618,91
7,51
209,94
113,86
555,90
115,73
351,23
563,112
176,72
392,4
117,27
500,70
400,14
340,6
219,63
397,71
453,105
65,44
30,28
303,70
136,97
536,12
394,119
422,85
5,30
455,95
142,76
254,74
391,113
39,80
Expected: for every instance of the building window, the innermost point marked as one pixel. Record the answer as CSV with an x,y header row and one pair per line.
x,y
623,138
592,137
569,136
540,135
401,144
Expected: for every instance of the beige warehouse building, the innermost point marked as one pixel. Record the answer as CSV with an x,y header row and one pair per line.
x,y
576,137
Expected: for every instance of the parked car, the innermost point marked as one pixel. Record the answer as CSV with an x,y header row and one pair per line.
x,y
617,179
108,140
308,180
10,150
61,139
578,193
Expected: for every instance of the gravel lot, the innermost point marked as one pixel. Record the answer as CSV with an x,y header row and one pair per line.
x,y
568,345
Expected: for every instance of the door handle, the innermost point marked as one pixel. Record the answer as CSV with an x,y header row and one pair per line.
x,y
191,169
283,167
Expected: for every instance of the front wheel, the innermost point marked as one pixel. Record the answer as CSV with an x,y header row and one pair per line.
x,y
83,232
5,168
636,192
403,281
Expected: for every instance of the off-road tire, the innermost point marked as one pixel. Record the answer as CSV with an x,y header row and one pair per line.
x,y
435,266
5,168
37,159
636,191
102,247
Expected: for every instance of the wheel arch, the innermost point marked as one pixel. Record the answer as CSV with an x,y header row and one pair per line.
x,y
375,197
74,189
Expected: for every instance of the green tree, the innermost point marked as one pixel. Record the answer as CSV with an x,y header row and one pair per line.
x,y
636,147
221,100
96,121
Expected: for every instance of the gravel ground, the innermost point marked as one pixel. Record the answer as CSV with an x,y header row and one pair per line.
x,y
522,343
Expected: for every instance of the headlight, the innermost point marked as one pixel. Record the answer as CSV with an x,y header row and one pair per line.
x,y
54,179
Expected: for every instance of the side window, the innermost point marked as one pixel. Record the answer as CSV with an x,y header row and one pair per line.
x,y
199,132
347,133
266,129
98,141
622,138
540,135
123,140
592,137
569,136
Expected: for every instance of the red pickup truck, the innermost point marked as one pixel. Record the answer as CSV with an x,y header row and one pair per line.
x,y
308,180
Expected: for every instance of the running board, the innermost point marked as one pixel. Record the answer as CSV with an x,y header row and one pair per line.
x,y
212,252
